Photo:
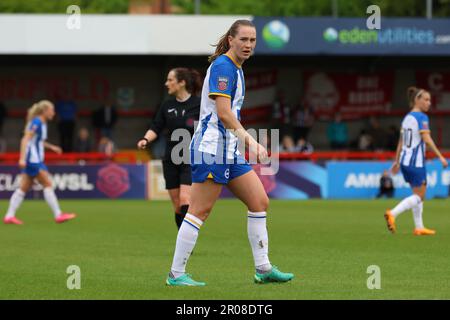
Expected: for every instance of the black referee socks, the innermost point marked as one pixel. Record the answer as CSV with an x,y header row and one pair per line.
x,y
179,217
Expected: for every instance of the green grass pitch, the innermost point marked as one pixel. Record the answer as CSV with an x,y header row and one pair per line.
x,y
124,250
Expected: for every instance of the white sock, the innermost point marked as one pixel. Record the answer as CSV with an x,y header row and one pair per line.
x,y
406,204
52,201
417,214
15,202
186,239
259,240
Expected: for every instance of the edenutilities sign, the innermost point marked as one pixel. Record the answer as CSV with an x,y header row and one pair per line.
x,y
350,36
388,36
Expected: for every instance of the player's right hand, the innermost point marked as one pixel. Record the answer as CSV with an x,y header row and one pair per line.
x,y
142,144
262,154
444,162
395,167
22,164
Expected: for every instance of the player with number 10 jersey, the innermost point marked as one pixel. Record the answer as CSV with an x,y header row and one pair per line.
x,y
410,159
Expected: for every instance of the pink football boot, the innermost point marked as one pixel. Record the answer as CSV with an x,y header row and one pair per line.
x,y
12,220
63,217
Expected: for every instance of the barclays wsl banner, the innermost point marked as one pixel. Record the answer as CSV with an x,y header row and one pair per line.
x,y
350,36
361,179
108,181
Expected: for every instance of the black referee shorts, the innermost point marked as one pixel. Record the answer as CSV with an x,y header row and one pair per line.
x,y
176,174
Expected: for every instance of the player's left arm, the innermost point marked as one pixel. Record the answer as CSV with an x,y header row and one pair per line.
x,y
426,137
53,147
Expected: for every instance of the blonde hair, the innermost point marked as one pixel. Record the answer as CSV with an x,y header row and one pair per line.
x,y
223,45
37,109
413,93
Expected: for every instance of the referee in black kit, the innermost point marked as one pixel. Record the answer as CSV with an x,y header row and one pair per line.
x,y
180,111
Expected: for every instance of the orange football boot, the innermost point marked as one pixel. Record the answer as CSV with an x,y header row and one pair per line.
x,y
424,232
390,219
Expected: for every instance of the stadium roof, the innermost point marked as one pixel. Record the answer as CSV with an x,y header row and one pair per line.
x,y
111,34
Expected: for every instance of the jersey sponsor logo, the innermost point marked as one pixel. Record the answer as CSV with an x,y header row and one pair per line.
x,y
222,83
190,122
227,173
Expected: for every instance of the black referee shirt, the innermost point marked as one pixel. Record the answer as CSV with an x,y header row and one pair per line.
x,y
173,115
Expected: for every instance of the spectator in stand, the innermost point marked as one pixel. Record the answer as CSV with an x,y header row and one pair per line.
x,y
66,111
392,138
2,145
277,111
287,144
304,146
83,142
377,133
2,116
303,121
337,133
386,185
106,146
364,141
281,115
104,119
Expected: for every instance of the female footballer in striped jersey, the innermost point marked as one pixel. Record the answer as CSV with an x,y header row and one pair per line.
x,y
410,159
216,161
32,163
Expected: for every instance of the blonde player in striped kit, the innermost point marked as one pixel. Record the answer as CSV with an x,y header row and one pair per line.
x,y
32,163
410,159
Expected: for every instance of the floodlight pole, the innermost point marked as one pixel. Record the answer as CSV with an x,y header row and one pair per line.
x,y
334,8
197,6
429,9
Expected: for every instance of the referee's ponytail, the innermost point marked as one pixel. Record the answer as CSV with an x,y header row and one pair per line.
x,y
224,45
191,77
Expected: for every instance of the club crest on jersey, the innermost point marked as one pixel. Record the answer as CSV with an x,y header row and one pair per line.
x,y
190,122
222,83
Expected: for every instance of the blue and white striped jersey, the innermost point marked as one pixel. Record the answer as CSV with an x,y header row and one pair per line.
x,y
223,78
35,147
413,147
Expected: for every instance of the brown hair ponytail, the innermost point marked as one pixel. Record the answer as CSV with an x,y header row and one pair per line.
x,y
192,78
223,45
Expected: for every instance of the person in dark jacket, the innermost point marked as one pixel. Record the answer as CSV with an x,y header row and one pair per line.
x,y
180,111
386,185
